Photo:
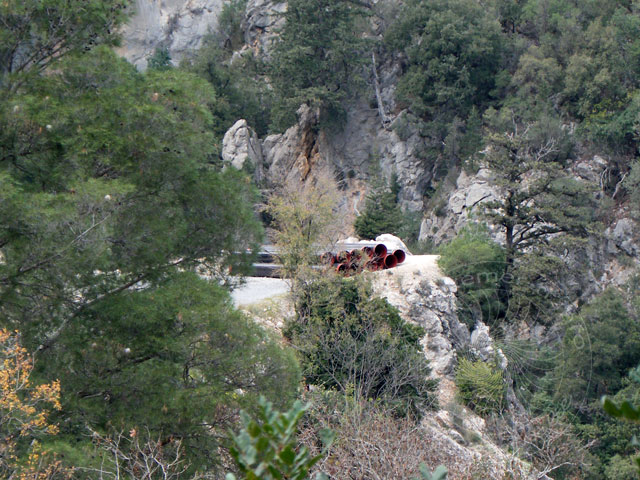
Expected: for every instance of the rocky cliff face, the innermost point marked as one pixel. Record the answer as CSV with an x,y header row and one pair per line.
x,y
178,25
423,295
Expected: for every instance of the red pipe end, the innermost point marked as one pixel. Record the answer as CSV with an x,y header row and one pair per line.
x,y
380,250
400,256
327,258
390,261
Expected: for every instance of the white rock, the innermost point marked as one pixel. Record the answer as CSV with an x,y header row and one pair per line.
x,y
478,192
241,145
392,242
178,25
623,236
425,297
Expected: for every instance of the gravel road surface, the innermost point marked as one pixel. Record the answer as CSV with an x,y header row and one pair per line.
x,y
258,288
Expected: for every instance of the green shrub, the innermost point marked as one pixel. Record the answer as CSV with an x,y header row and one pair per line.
x,y
480,386
627,410
267,449
621,468
317,59
476,263
229,31
357,344
381,214
453,54
160,60
599,347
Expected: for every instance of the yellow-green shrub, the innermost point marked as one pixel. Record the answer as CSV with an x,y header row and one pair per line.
x,y
480,386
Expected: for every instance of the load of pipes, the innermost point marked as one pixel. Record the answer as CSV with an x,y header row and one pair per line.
x,y
367,258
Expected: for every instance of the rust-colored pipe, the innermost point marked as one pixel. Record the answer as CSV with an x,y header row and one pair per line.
x,y
341,268
390,261
379,263
368,251
327,258
342,257
400,255
380,250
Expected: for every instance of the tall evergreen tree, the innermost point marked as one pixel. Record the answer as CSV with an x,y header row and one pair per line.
x,y
317,57
381,214
110,199
537,199
34,34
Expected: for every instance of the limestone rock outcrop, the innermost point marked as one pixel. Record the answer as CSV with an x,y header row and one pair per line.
x,y
470,191
425,297
262,20
178,25
621,236
242,149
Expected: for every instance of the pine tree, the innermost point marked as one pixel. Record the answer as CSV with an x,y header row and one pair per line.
x,y
381,214
316,58
537,200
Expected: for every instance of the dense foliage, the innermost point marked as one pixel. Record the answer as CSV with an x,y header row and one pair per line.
x,y
316,58
359,345
476,263
112,198
114,206
266,448
381,213
453,50
480,386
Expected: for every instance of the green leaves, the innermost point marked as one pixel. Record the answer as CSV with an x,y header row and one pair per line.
x,y
266,448
381,214
110,201
440,473
476,263
359,345
481,386
34,33
625,411
316,58
454,54
144,142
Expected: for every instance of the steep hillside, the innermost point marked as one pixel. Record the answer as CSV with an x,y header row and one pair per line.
x,y
507,134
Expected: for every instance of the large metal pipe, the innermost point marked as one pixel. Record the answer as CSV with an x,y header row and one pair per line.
x,y
400,255
379,263
380,250
327,258
390,261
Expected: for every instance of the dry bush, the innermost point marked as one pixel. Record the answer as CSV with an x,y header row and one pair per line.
x,y
371,443
25,408
548,443
138,456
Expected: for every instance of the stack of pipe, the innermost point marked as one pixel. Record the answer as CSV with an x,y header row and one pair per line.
x,y
368,258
